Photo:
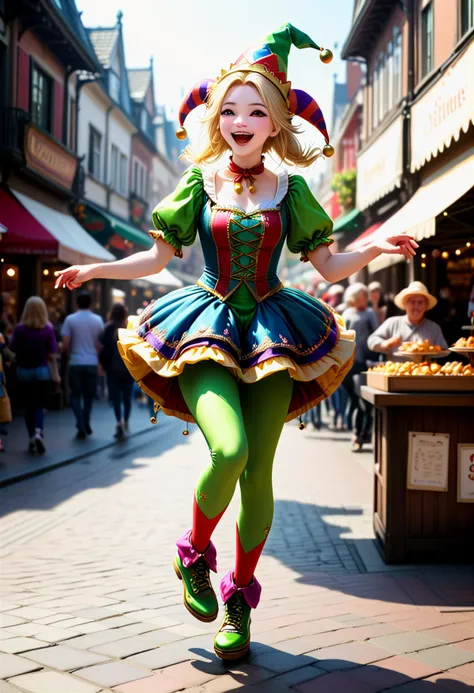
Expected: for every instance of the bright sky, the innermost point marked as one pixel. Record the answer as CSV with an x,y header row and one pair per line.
x,y
193,39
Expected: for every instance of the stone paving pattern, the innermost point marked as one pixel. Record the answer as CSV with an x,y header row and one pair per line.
x,y
90,601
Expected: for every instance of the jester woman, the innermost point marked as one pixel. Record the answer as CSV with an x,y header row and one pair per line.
x,y
238,353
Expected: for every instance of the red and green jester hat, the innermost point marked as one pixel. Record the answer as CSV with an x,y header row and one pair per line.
x,y
271,60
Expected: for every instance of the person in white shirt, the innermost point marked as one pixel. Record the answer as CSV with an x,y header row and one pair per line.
x,y
81,334
415,300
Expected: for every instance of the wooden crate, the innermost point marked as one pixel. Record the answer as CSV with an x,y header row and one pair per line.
x,y
421,383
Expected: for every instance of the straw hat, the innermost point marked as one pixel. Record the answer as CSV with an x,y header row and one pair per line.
x,y
415,289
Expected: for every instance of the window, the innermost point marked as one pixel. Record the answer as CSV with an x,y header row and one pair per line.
x,y
467,15
375,97
114,86
389,78
427,40
144,121
95,143
123,174
114,167
397,65
382,86
41,98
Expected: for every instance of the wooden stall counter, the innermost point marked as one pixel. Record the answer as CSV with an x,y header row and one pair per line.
x,y
423,491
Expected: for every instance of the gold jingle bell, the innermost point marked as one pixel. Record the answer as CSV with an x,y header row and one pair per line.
x,y
301,426
185,432
328,150
325,56
181,133
251,188
238,188
153,420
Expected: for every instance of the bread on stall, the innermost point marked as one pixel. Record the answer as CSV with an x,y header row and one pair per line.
x,y
408,368
420,347
465,343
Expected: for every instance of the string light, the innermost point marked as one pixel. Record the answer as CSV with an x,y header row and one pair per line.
x,y
445,214
11,272
445,254
458,252
46,272
423,255
423,264
468,245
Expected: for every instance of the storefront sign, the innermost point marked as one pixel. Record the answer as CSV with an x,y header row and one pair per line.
x,y
428,461
465,473
49,159
445,110
379,167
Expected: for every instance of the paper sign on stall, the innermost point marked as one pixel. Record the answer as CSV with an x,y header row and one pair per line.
x,y
465,473
428,461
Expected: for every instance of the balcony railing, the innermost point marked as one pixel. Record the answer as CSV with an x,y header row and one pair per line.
x,y
13,122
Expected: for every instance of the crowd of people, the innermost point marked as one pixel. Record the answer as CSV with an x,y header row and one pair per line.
x,y
74,355
381,324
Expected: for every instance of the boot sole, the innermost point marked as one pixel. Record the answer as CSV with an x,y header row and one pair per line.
x,y
204,619
233,654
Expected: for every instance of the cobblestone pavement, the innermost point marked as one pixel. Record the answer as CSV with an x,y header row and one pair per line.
x,y
91,603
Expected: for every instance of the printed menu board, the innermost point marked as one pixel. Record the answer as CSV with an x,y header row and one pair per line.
x,y
465,473
428,461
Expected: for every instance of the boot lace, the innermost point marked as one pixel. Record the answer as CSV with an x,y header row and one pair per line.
x,y
234,614
200,576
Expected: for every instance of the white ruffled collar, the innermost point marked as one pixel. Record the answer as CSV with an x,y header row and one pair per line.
x,y
209,180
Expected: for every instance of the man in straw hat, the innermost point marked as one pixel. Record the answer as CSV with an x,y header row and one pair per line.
x,y
411,327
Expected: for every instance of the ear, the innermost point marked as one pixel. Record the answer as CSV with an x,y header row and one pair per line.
x,y
275,131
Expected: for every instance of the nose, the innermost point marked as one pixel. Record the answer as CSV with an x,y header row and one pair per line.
x,y
240,121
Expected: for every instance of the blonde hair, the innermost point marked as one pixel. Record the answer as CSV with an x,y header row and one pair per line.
x,y
285,144
352,292
35,313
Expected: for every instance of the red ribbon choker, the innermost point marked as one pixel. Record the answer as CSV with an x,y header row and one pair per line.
x,y
246,174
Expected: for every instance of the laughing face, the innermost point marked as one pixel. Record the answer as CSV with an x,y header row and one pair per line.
x,y
245,123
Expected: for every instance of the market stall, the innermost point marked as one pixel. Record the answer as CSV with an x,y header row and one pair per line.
x,y
424,457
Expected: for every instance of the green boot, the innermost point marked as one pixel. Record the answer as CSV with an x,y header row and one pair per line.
x,y
233,638
193,569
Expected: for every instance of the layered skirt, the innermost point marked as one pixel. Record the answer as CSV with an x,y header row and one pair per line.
x,y
289,330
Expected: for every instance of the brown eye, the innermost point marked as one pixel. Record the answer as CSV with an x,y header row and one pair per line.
x,y
227,111
258,114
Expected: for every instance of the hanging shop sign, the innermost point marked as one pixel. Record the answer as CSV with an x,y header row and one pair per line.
x,y
444,111
48,158
379,167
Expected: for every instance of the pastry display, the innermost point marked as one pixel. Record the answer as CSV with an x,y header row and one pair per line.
x,y
465,343
420,348
410,368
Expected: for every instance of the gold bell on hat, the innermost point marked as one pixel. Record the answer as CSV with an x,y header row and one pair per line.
x,y
325,56
181,133
328,150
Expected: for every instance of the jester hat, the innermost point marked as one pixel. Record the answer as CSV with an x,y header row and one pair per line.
x,y
271,60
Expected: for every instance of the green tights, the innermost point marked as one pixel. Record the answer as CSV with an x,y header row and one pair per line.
x,y
242,425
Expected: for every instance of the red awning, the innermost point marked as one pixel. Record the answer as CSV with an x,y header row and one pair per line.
x,y
23,233
365,237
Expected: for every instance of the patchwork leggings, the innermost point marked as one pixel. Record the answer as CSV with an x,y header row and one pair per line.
x,y
242,426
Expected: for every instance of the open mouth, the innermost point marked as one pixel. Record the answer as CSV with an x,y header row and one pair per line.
x,y
241,137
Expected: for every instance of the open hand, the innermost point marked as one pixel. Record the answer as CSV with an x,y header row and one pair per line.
x,y
398,244
74,276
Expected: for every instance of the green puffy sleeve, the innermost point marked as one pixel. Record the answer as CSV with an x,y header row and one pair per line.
x,y
176,217
310,226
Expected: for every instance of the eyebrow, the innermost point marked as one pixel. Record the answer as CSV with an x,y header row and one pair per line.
x,y
232,103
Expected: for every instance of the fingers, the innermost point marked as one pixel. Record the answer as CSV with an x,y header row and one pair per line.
x,y
66,276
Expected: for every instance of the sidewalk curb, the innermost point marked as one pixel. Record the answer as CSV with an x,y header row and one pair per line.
x,y
62,463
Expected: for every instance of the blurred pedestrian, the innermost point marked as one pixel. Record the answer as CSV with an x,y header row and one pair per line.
x,y
5,407
35,347
363,320
81,332
314,415
335,295
415,300
119,380
377,301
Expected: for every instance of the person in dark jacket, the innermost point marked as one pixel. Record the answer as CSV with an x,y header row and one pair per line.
x,y
119,380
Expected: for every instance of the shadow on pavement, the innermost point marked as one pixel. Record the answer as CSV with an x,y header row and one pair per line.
x,y
97,470
323,674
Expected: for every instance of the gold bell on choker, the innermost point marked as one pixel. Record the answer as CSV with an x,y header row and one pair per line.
x,y
238,188
251,188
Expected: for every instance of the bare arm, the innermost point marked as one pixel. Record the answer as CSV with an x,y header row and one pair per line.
x,y
381,341
52,358
337,266
138,265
